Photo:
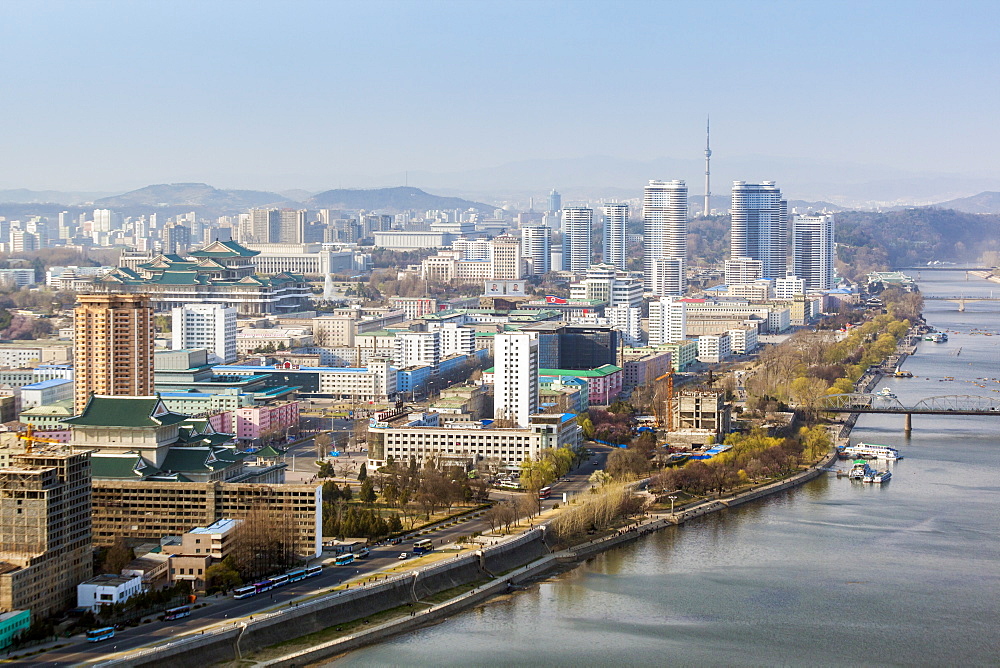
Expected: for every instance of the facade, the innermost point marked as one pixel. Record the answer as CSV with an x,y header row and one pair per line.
x,y
413,240
813,251
107,589
304,259
742,270
664,215
604,383
506,262
252,423
417,348
714,348
113,346
45,513
608,284
150,509
789,287
643,368
413,307
208,326
667,320
197,549
515,381
615,235
578,222
700,418
682,353
760,226
376,382
743,340
46,392
473,443
536,247
12,624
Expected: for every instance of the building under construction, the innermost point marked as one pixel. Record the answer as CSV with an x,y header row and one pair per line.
x,y
45,530
699,417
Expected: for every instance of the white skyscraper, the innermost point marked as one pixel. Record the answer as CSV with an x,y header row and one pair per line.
x,y
210,326
418,349
668,277
759,227
667,320
813,251
515,378
536,247
664,214
615,244
578,222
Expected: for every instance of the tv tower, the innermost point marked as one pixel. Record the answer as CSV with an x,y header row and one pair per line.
x,y
708,159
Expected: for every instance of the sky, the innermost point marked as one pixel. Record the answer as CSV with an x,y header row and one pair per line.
x,y
315,95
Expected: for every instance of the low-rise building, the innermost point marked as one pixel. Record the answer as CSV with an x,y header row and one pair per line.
x,y
376,382
743,341
700,418
469,444
46,392
12,624
107,589
714,348
643,368
193,552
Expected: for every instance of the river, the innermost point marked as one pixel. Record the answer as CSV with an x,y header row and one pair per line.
x,y
832,573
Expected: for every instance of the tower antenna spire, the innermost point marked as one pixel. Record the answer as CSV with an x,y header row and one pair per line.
x,y
708,159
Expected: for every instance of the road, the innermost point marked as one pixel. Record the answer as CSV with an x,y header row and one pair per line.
x,y
224,609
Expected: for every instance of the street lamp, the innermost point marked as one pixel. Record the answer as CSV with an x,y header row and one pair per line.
x,y
672,499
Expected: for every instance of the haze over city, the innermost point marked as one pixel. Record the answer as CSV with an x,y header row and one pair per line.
x,y
495,99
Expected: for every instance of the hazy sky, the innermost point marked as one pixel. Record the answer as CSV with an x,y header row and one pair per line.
x,y
114,95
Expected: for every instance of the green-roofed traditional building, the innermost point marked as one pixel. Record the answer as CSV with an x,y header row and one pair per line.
x,y
220,273
139,438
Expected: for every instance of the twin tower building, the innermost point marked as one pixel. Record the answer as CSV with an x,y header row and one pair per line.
x,y
759,238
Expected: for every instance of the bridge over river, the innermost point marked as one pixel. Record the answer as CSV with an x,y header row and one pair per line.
x,y
950,404
961,300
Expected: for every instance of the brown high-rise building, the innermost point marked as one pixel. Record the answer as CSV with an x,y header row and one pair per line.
x,y
113,347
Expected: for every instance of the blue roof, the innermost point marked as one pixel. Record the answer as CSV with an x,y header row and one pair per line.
x,y
717,288
305,369
566,417
45,384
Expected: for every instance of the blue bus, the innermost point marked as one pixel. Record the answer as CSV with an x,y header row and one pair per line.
x,y
97,635
296,575
314,570
245,592
423,546
344,559
263,585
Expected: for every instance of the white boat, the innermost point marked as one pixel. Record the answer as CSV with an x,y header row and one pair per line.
x,y
859,470
877,476
872,451
885,393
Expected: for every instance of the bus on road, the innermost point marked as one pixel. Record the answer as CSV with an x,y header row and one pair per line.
x,y
423,546
177,613
245,592
344,559
544,492
279,580
296,575
314,570
97,635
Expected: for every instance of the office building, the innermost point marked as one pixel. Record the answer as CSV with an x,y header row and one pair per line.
x,y
176,239
506,262
417,349
664,215
578,223
264,227
45,524
615,235
536,247
516,377
608,284
555,201
743,270
759,228
813,251
291,227
667,320
789,287
113,346
209,326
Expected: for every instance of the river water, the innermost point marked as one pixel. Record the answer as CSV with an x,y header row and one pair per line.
x,y
832,573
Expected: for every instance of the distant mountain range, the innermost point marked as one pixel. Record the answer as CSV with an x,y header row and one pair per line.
x,y
194,195
391,200
24,196
987,202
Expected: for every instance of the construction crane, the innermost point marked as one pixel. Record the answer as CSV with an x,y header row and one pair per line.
x,y
670,398
28,435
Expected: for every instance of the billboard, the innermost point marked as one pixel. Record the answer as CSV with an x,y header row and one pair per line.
x,y
504,288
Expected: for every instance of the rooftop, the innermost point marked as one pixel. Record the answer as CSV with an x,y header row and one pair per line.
x,y
219,526
45,384
109,580
107,411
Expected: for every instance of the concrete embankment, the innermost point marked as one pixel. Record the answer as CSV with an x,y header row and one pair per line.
x,y
248,635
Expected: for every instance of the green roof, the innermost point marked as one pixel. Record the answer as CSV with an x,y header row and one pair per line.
x,y
268,452
127,466
224,249
105,411
187,459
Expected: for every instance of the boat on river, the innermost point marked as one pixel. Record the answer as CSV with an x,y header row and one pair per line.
x,y
877,476
885,393
872,451
859,470
936,337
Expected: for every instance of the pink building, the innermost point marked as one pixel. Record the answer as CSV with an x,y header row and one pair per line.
x,y
251,422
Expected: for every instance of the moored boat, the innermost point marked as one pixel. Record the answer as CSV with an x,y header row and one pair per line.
x,y
872,451
877,476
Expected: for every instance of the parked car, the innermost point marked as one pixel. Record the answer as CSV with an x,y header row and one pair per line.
x,y
404,555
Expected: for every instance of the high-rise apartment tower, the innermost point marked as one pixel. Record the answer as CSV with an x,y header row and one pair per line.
x,y
813,251
578,222
615,235
515,377
664,215
113,347
536,247
760,226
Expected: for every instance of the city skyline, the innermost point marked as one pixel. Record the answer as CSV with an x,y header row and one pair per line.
x,y
184,113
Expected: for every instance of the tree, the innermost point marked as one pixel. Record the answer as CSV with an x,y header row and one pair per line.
x,y
367,493
222,576
117,557
322,442
363,473
264,542
625,464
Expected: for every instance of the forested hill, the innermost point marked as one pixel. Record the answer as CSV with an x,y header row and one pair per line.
x,y
910,237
